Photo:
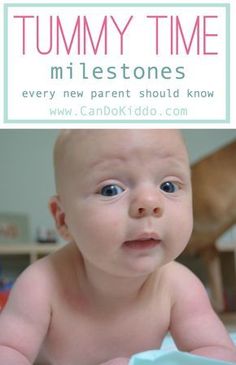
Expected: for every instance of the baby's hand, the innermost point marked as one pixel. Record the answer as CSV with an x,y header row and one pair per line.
x,y
117,361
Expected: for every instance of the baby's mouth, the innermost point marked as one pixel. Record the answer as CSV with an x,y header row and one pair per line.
x,y
143,242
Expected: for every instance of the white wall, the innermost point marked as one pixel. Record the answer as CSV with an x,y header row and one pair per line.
x,y
201,142
26,174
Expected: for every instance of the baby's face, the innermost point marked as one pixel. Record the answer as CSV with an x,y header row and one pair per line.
x,y
126,195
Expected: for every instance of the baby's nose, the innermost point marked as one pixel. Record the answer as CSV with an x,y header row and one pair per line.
x,y
147,205
142,212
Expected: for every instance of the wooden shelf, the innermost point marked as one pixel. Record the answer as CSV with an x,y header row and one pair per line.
x,y
26,248
32,249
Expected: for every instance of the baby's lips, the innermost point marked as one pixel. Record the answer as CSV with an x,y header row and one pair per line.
x,y
146,236
143,241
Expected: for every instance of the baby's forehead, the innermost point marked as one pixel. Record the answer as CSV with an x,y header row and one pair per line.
x,y
82,145
81,151
88,138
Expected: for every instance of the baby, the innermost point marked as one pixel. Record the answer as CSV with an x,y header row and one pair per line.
x,y
123,204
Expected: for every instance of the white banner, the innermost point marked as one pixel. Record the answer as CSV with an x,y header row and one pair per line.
x,y
126,63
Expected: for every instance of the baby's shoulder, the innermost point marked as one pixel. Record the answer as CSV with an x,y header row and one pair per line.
x,y
182,282
174,268
39,283
36,276
178,276
44,273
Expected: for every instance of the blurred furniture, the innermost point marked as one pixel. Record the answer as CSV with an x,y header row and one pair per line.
x,y
227,258
214,210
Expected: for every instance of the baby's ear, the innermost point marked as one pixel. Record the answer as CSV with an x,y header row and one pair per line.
x,y
58,214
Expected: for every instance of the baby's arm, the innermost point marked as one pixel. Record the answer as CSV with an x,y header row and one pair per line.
x,y
25,319
194,325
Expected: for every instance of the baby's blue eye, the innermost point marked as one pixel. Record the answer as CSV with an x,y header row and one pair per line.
x,y
111,190
169,187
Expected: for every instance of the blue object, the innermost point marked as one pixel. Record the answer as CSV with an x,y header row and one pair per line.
x,y
163,357
6,285
233,337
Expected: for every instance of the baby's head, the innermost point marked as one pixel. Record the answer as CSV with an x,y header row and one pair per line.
x,y
124,197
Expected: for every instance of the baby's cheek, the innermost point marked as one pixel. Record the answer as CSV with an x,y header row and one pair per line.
x,y
110,228
106,217
179,222
183,230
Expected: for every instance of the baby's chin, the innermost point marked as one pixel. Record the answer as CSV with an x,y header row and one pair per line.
x,y
143,264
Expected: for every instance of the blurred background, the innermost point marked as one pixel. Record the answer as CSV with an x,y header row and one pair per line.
x,y
27,181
